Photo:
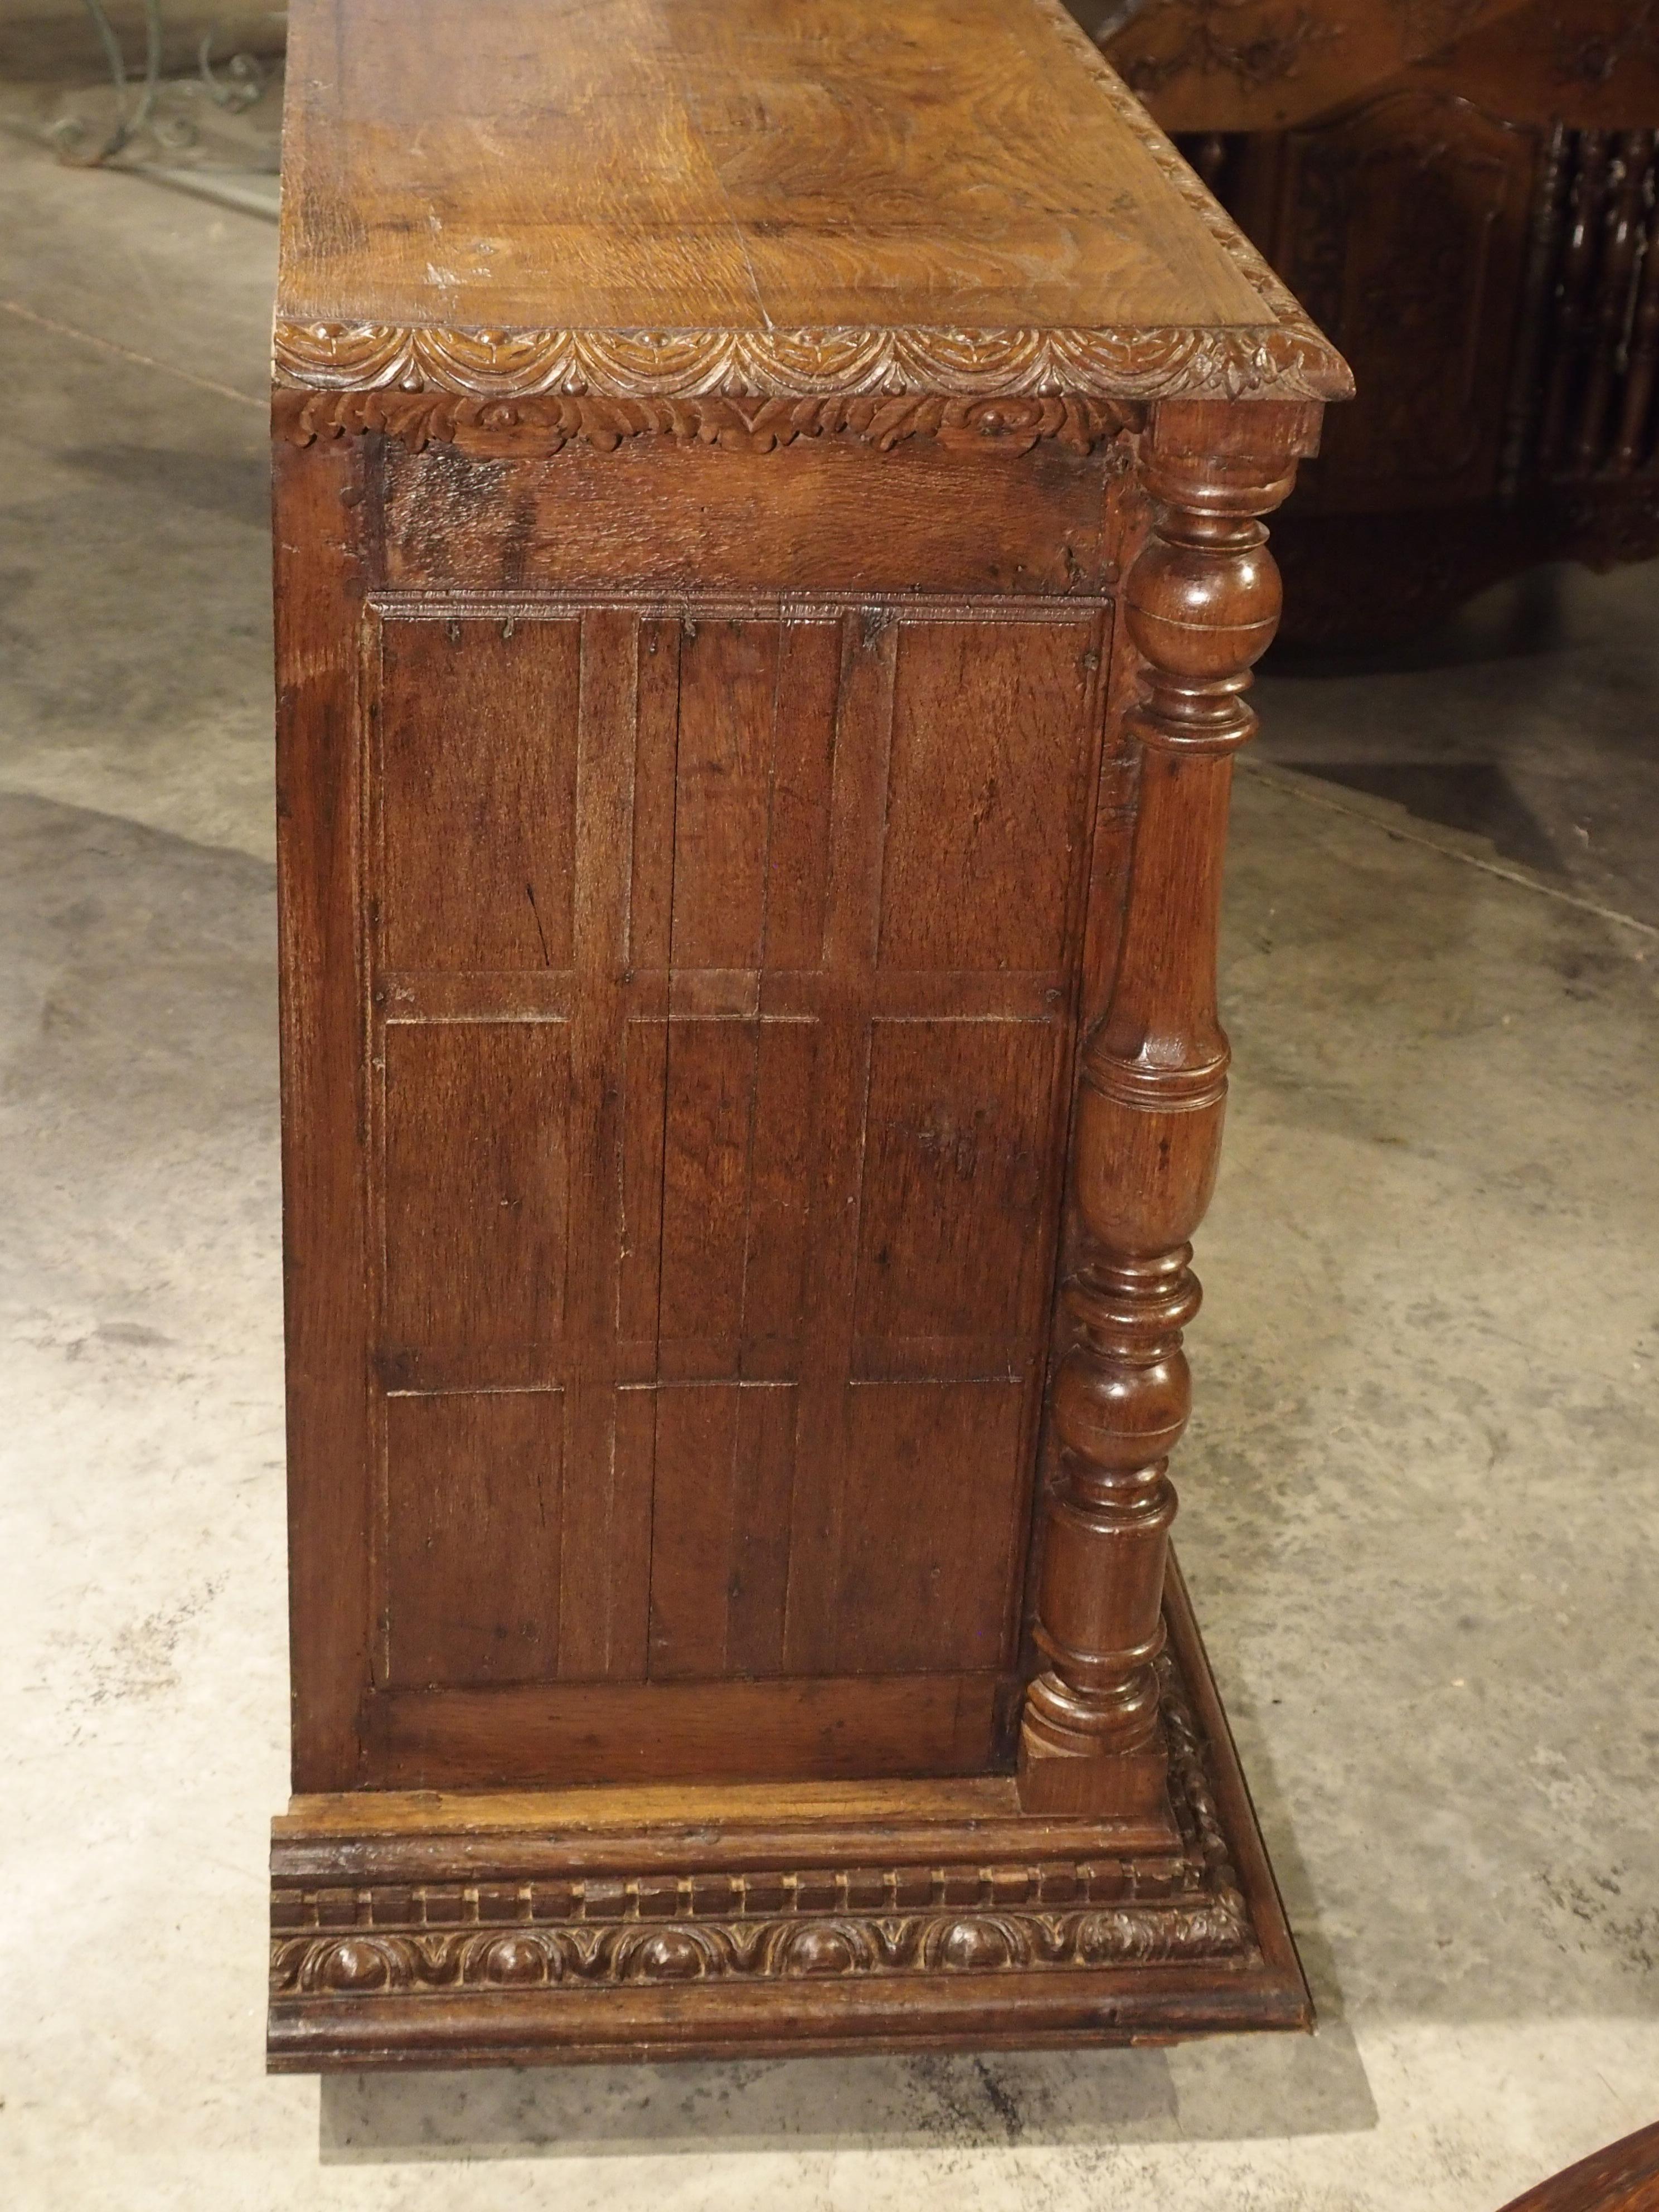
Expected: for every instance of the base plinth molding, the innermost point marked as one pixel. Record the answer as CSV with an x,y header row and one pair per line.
x,y
434,1929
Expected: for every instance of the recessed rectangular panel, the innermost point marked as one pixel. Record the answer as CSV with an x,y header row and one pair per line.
x,y
606,1587
644,1077
473,1512
476,1197
954,1220
705,1185
787,1392
992,743
803,760
478,793
736,1181
932,1478
720,1521
656,744
728,685
782,1185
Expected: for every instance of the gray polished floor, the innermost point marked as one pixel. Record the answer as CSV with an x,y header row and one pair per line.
x,y
1421,1498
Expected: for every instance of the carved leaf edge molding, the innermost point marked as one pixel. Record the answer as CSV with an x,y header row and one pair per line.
x,y
1231,362
348,1952
1286,357
1312,366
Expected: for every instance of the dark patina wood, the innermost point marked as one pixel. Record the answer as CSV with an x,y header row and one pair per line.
x,y
1623,2178
761,651
1463,194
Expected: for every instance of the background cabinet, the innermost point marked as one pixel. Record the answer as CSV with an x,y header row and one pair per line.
x,y
1463,194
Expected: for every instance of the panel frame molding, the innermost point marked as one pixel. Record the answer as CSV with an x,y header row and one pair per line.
x,y
402,1002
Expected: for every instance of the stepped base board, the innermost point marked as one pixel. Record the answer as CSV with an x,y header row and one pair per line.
x,y
425,1929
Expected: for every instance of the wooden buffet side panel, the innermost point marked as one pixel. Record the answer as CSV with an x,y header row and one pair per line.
x,y
752,796
719,1007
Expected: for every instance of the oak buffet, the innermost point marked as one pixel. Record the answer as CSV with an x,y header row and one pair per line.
x,y
769,552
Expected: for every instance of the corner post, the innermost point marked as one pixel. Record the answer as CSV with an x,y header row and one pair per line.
x,y
1200,607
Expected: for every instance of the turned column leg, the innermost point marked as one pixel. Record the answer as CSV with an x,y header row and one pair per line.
x,y
1200,607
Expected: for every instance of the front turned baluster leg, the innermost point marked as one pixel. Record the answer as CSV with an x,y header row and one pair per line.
x,y
1200,607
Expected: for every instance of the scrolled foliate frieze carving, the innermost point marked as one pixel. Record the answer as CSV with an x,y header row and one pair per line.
x,y
422,418
1210,43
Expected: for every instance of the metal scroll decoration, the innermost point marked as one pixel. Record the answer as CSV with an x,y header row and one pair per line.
x,y
146,105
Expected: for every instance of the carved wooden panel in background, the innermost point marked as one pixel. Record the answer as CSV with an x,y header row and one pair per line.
x,y
1463,191
1404,225
1262,64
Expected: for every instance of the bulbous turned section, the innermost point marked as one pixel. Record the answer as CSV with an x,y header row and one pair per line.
x,y
1200,607
1121,1401
1204,601
1097,1718
1123,1393
1090,1739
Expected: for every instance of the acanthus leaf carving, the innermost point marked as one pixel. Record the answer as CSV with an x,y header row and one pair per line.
x,y
1009,426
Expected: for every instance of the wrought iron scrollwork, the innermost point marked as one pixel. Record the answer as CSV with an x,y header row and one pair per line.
x,y
148,105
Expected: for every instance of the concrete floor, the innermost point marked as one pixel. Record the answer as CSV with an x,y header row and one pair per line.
x,y
1419,1494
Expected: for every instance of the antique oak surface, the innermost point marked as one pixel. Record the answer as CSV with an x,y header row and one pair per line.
x,y
768,558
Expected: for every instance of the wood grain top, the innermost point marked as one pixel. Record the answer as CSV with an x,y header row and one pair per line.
x,y
770,198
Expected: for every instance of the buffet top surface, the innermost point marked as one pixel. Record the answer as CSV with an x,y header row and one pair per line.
x,y
743,166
